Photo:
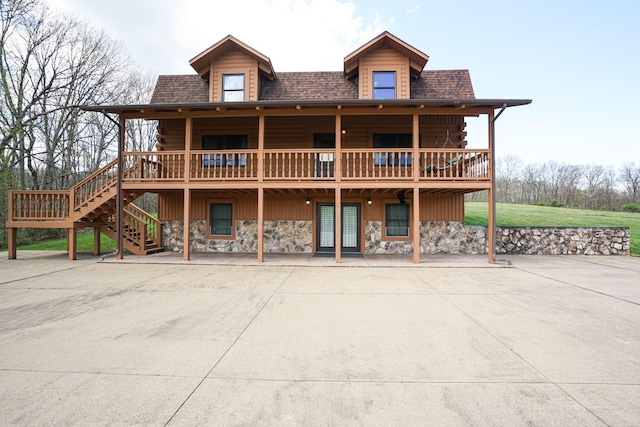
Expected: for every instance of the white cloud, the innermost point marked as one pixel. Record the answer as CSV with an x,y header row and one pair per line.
x,y
297,35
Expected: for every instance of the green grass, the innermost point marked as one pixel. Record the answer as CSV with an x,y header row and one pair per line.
x,y
84,244
526,215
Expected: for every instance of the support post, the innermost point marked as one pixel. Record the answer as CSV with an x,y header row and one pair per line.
x,y
12,242
261,147
491,232
188,131
96,241
416,147
491,220
338,156
72,242
416,225
338,224
119,197
186,229
260,224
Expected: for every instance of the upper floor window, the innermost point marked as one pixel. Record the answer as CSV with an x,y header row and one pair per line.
x,y
226,143
384,85
233,87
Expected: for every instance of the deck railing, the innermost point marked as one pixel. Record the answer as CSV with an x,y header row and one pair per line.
x,y
43,205
95,184
374,164
227,165
152,166
299,165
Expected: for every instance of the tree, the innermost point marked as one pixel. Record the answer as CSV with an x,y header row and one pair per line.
x,y
630,178
50,65
508,171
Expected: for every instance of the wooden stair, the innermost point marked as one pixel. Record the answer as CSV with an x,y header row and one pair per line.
x,y
90,203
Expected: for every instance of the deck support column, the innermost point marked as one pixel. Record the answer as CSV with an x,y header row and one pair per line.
x,y
416,225
119,196
12,242
491,229
338,224
415,143
186,229
96,241
260,224
72,243
491,232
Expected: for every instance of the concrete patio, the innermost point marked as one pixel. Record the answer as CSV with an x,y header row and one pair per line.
x,y
548,341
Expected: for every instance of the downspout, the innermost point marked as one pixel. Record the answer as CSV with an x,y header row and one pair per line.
x,y
493,183
118,192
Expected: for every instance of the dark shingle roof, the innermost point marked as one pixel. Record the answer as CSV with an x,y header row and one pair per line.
x,y
180,89
309,86
443,84
300,86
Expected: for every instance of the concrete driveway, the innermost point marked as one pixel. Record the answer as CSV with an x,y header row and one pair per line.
x,y
551,341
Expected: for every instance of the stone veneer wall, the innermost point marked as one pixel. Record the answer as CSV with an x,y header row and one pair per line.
x,y
563,240
437,237
279,237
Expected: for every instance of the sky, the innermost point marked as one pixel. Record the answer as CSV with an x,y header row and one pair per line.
x,y
578,61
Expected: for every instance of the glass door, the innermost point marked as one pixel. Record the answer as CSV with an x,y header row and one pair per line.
x,y
350,227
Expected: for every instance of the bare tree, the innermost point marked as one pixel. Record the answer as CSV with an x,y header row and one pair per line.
x,y
630,178
508,171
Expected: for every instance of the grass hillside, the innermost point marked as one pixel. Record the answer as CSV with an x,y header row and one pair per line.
x,y
476,213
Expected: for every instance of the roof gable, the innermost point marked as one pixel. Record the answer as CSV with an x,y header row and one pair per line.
x,y
417,59
201,62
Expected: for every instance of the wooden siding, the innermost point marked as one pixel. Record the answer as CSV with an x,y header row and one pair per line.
x,y
360,130
292,206
384,60
234,62
172,132
297,132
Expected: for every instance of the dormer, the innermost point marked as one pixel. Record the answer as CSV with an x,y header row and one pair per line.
x,y
384,67
233,70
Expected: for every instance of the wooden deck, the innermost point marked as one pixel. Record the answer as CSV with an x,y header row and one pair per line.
x,y
382,165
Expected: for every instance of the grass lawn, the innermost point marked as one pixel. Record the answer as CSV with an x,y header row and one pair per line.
x,y
84,242
527,215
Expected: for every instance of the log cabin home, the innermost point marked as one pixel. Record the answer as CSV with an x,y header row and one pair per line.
x,y
368,160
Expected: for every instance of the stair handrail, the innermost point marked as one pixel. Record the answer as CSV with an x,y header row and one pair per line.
x,y
105,184
152,227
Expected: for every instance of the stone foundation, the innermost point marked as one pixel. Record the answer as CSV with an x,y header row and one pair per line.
x,y
373,243
436,237
452,237
279,237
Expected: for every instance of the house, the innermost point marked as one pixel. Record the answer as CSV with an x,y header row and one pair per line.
x,y
370,159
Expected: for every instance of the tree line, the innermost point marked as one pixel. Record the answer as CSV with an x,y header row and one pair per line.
x,y
551,183
51,64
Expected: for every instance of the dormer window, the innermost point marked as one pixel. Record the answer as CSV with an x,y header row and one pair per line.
x,y
233,87
384,85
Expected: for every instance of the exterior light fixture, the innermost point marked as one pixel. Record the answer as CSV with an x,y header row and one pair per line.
x,y
344,132
369,201
308,201
401,198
